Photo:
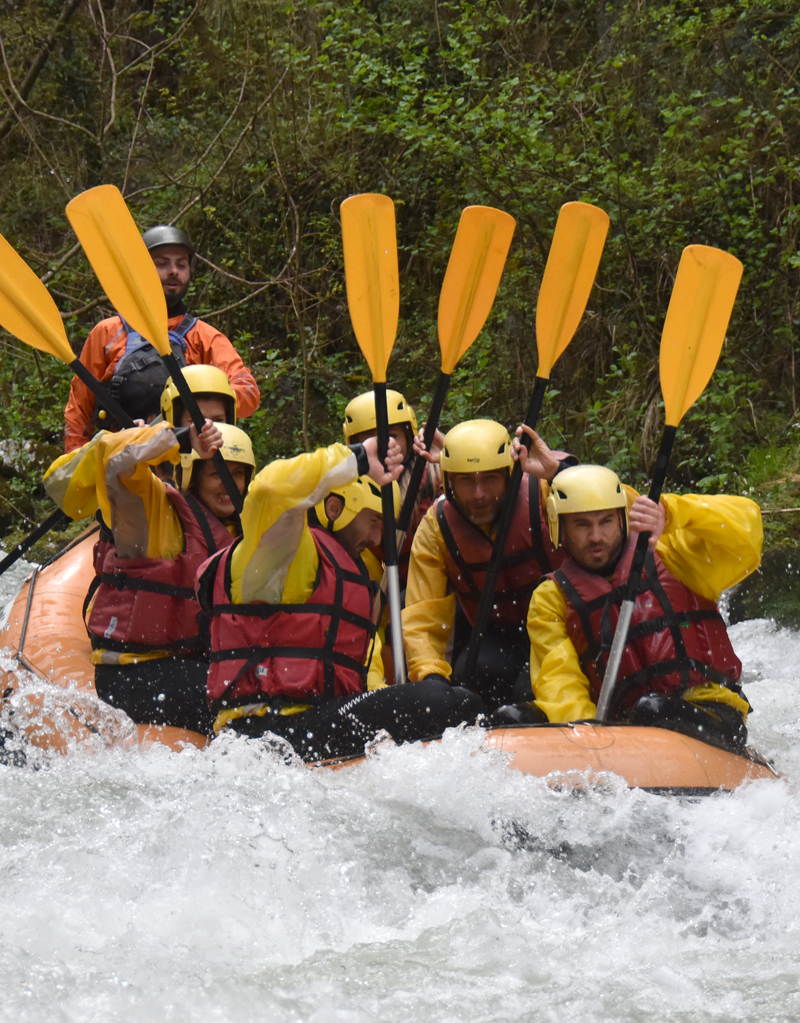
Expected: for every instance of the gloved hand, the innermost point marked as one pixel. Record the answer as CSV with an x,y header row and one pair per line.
x,y
434,677
517,714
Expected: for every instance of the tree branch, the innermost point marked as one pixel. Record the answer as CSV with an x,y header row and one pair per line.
x,y
69,8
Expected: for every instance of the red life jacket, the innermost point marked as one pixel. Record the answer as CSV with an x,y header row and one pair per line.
x,y
145,604
676,639
305,653
103,544
528,555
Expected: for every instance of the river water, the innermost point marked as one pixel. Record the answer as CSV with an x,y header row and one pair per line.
x,y
229,885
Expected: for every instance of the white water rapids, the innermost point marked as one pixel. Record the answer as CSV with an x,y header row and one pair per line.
x,y
227,885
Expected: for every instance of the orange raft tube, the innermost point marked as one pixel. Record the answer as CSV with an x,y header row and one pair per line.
x,y
45,641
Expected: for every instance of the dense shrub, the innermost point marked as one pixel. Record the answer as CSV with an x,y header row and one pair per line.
x,y
249,121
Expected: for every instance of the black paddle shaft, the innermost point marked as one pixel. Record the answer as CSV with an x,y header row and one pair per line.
x,y
25,545
190,404
387,492
100,391
102,394
418,469
656,486
503,529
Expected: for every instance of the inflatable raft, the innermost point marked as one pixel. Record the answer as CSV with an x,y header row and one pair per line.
x,y
48,683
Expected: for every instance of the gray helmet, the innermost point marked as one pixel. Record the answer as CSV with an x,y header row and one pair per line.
x,y
163,234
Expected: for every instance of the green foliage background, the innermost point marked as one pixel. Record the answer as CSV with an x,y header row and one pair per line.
x,y
247,122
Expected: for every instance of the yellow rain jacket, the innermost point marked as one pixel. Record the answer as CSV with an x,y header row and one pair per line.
x,y
430,609
277,560
112,472
708,543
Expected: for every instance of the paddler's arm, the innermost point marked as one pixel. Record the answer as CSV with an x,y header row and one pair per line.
x,y
276,560
711,543
430,610
538,459
71,480
132,500
559,685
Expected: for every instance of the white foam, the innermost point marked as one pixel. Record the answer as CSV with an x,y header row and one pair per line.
x,y
431,884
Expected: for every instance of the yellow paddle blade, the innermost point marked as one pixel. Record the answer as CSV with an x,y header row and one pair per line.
x,y
112,243
699,311
369,239
568,278
473,275
27,309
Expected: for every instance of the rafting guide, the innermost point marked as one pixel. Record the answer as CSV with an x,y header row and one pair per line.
x,y
119,356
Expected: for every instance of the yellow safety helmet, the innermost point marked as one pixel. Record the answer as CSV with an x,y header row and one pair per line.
x,y
202,380
236,447
359,416
584,488
358,495
478,445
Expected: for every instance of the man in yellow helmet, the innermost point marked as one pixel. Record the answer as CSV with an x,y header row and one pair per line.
x,y
294,651
148,641
678,668
451,552
134,372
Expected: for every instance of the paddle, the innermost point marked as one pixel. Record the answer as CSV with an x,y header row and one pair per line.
x,y
52,520
27,311
110,238
699,311
369,240
568,278
470,285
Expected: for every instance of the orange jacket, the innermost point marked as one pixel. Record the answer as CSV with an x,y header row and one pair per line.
x,y
104,348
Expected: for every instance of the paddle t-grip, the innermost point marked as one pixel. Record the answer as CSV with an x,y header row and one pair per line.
x,y
418,468
190,404
503,529
605,702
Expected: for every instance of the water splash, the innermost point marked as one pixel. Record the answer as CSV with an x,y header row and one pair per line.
x,y
236,884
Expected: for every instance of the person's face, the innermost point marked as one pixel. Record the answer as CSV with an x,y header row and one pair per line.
x,y
208,488
174,271
593,539
210,408
366,530
479,494
398,432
